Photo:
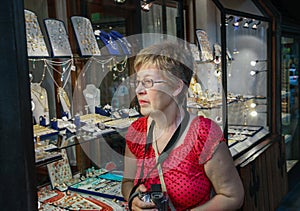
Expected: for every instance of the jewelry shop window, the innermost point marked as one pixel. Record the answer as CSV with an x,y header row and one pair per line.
x,y
232,72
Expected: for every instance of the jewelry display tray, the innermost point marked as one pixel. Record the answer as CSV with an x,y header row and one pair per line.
x,y
107,185
239,133
247,130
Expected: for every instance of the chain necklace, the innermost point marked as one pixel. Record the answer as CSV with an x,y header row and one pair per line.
x,y
41,97
61,93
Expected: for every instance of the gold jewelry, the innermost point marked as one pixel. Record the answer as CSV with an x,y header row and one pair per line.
x,y
61,94
122,65
41,98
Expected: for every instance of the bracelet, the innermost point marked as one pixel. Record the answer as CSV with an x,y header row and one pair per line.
x,y
132,196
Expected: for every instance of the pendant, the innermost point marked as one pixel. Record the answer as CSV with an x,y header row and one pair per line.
x,y
32,105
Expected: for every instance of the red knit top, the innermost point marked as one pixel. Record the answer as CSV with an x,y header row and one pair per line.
x,y
186,182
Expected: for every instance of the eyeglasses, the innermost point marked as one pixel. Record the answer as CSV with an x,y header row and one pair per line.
x,y
147,83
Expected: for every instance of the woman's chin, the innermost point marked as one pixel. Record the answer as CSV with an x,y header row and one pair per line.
x,y
145,111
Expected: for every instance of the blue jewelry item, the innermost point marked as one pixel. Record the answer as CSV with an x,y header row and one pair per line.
x,y
121,41
110,43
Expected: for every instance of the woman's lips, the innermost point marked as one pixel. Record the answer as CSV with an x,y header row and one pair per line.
x,y
143,102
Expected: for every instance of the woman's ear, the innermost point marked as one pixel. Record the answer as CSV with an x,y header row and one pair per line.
x,y
178,88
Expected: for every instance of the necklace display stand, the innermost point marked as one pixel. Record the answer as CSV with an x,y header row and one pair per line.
x,y
92,97
124,44
40,101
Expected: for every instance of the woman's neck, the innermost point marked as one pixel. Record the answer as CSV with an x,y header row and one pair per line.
x,y
167,120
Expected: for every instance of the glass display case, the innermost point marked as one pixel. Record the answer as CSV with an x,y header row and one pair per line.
x,y
233,68
230,84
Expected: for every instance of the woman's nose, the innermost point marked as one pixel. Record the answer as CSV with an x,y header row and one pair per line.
x,y
140,89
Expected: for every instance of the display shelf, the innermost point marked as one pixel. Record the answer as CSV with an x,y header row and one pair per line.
x,y
241,146
48,159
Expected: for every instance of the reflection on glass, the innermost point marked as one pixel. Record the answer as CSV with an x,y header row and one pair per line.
x,y
290,96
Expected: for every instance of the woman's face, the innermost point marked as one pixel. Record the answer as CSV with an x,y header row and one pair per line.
x,y
156,98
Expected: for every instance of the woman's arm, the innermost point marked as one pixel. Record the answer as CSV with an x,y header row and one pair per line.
x,y
128,182
226,181
129,173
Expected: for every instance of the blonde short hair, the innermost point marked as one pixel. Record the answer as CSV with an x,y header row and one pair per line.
x,y
175,61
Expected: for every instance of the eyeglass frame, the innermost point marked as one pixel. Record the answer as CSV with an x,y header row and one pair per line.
x,y
137,82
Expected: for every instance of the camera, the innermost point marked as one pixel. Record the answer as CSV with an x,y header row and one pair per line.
x,y
156,196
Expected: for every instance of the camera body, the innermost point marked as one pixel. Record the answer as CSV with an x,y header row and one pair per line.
x,y
156,196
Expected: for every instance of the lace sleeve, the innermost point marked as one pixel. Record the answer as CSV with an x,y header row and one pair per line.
x,y
209,137
136,137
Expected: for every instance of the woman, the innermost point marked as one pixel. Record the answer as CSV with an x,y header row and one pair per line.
x,y
197,161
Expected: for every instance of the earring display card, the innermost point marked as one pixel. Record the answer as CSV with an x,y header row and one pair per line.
x,y
58,38
36,46
195,51
85,36
60,172
206,54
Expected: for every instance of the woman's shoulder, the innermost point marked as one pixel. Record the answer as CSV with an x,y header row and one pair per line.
x,y
204,123
140,124
136,128
135,137
208,135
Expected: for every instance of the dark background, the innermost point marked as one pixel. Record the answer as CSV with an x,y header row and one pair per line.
x,y
289,10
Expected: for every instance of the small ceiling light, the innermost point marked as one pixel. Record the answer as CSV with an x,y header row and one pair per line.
x,y
235,51
228,20
146,5
253,113
237,22
120,1
254,72
254,62
247,23
252,105
254,26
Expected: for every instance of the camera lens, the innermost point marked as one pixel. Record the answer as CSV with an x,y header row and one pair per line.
x,y
157,195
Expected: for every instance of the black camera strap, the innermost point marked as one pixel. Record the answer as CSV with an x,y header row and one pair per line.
x,y
168,148
162,157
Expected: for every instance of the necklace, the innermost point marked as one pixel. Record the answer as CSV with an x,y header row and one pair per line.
x,y
40,96
103,62
121,66
62,96
44,71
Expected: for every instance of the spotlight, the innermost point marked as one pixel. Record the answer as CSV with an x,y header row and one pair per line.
x,y
228,20
253,113
247,23
146,5
237,22
254,26
120,1
254,72
254,62
252,105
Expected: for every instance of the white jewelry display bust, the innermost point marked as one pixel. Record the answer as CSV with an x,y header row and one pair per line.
x,y
40,100
92,97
